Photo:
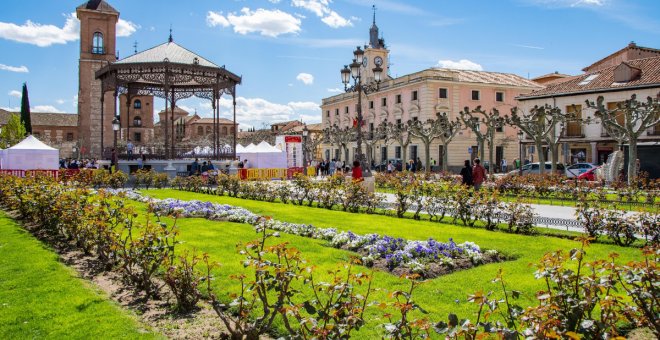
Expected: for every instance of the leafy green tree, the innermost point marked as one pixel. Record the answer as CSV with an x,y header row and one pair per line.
x,y
25,110
13,132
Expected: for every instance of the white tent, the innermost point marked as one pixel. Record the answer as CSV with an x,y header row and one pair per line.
x,y
263,156
30,154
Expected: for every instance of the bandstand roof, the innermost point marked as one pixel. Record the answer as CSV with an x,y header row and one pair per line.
x,y
172,51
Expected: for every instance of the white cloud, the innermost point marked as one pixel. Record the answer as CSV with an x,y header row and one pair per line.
x,y
11,109
311,119
14,93
270,23
46,108
306,78
126,28
529,46
47,35
462,64
305,106
335,90
274,1
60,101
19,69
321,8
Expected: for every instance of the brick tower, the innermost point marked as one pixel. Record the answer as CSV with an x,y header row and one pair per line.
x,y
97,49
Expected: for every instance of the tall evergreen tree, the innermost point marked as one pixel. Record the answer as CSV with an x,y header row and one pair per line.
x,y
25,110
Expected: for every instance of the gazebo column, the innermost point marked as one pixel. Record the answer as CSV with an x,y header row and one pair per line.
x,y
164,123
173,154
128,115
235,128
102,106
215,125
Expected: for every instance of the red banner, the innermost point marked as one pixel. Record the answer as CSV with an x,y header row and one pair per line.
x,y
292,139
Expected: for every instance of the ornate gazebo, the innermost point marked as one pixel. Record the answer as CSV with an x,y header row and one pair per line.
x,y
171,72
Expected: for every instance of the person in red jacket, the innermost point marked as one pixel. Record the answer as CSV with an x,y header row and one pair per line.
x,y
357,172
478,174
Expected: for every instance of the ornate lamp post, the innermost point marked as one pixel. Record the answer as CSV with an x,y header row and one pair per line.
x,y
305,132
115,127
360,87
521,135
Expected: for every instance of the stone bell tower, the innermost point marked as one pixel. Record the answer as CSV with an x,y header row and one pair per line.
x,y
98,22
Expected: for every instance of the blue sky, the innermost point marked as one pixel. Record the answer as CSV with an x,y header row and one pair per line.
x,y
289,52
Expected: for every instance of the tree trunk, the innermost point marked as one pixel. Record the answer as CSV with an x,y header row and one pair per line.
x,y
554,148
404,155
482,149
541,154
491,166
445,156
632,161
427,151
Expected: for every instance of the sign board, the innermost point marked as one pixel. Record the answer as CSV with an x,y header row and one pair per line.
x,y
469,150
292,145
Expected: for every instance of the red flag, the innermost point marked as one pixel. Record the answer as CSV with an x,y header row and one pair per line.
x,y
355,122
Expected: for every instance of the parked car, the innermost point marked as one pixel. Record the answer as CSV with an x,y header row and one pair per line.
x,y
577,169
382,166
534,168
589,175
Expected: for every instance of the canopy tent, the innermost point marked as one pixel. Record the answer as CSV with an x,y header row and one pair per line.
x,y
30,154
263,156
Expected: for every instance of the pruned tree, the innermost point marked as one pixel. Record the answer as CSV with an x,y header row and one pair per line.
x,y
314,140
341,137
427,132
475,119
449,128
378,135
400,133
537,124
12,132
635,118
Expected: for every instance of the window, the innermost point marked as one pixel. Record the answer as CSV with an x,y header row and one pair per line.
x,y
137,122
383,102
499,96
336,112
200,130
499,129
413,152
475,95
224,130
346,110
415,119
97,43
442,93
69,137
37,135
398,99
398,123
371,104
137,137
327,113
414,95
397,152
574,127
208,130
137,104
588,79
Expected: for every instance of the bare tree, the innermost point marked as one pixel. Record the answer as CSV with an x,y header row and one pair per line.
x,y
400,133
537,124
427,132
378,135
449,130
491,120
638,116
340,137
314,140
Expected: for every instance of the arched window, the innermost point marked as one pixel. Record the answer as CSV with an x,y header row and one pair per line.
x,y
97,43
224,130
137,104
208,130
200,130
137,121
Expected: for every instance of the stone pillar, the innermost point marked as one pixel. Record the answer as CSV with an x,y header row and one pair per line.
x,y
594,152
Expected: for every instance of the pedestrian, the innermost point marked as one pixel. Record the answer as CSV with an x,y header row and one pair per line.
x,y
129,149
140,162
332,166
478,174
246,165
418,164
356,173
516,163
205,167
466,174
390,167
503,166
194,168
113,160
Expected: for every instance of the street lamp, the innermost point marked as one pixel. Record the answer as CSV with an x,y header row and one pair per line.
x,y
360,87
115,127
305,132
520,138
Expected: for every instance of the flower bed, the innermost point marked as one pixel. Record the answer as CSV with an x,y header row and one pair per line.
x,y
428,258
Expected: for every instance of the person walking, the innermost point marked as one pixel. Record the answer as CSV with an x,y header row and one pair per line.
x,y
478,174
332,166
503,166
466,174
356,173
390,167
129,149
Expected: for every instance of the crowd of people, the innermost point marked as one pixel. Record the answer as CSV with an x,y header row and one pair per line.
x,y
72,163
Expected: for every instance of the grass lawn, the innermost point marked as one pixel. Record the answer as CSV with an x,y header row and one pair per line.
x,y
439,296
41,298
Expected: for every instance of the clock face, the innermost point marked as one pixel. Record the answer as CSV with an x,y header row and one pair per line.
x,y
365,61
378,61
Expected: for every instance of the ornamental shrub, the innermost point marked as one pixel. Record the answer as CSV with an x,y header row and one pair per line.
x,y
183,278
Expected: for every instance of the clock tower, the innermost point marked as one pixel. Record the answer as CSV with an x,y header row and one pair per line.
x,y
375,54
97,49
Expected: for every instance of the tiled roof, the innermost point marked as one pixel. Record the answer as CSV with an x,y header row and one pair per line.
x,y
631,46
170,51
491,78
45,119
176,110
603,80
210,121
98,5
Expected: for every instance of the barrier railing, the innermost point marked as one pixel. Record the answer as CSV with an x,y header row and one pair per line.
x,y
273,173
29,173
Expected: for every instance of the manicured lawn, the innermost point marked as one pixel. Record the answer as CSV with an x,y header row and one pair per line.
x,y
439,296
41,298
